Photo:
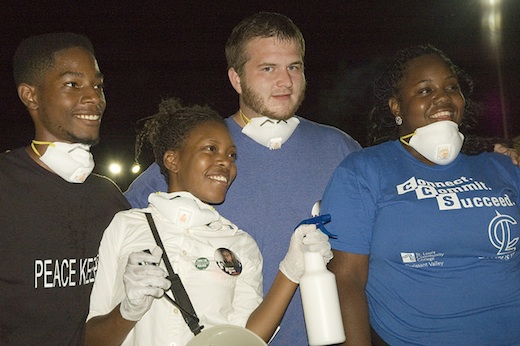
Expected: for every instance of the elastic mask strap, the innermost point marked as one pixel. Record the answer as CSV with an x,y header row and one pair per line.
x,y
39,143
244,118
402,139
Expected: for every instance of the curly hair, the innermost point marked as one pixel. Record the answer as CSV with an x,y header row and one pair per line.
x,y
259,25
169,128
382,126
35,55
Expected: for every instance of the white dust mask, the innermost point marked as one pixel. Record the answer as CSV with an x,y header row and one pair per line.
x,y
270,133
183,209
439,142
71,161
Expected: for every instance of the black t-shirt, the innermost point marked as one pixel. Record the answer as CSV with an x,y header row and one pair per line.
x,y
49,237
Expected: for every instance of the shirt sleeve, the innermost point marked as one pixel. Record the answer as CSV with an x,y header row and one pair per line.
x,y
108,290
350,200
248,290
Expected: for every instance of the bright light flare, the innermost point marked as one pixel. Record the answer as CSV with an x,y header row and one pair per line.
x,y
114,168
492,31
136,168
491,17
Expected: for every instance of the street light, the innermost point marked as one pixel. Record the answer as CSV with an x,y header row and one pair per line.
x,y
115,168
492,28
136,168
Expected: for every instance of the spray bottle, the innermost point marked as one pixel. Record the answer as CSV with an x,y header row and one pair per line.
x,y
319,295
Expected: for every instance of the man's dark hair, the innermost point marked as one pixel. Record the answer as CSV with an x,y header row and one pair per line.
x,y
35,55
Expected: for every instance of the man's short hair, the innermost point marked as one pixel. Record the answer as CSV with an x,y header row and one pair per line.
x,y
260,25
35,55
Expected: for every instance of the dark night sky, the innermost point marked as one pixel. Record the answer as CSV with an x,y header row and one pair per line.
x,y
149,50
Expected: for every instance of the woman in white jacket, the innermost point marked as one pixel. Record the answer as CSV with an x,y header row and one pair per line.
x,y
196,153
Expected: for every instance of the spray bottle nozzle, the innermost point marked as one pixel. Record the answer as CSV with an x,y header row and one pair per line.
x,y
320,222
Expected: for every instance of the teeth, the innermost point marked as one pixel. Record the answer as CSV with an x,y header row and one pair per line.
x,y
442,114
88,117
219,178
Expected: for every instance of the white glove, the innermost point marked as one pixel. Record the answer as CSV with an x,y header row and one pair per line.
x,y
144,280
311,239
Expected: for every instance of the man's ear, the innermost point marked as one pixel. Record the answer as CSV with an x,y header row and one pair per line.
x,y
170,160
27,94
395,107
234,78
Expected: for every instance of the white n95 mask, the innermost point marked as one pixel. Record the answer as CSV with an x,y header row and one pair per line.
x,y
270,133
439,142
183,209
71,161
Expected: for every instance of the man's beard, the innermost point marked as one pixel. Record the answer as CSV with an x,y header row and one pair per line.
x,y
88,141
256,103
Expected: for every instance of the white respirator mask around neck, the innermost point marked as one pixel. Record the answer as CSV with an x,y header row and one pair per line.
x,y
183,209
270,133
71,161
439,142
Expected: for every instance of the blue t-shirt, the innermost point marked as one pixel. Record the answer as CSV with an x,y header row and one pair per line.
x,y
442,242
274,190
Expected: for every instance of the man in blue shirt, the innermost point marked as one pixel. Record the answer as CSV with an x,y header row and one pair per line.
x,y
284,161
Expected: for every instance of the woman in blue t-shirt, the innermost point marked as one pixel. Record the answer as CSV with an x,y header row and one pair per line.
x,y
427,236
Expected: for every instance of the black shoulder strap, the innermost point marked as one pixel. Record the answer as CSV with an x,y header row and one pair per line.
x,y
178,290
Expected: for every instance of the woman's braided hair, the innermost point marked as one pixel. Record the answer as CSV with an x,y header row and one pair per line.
x,y
169,128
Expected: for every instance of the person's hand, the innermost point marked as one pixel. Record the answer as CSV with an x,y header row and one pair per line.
x,y
144,280
304,238
511,152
